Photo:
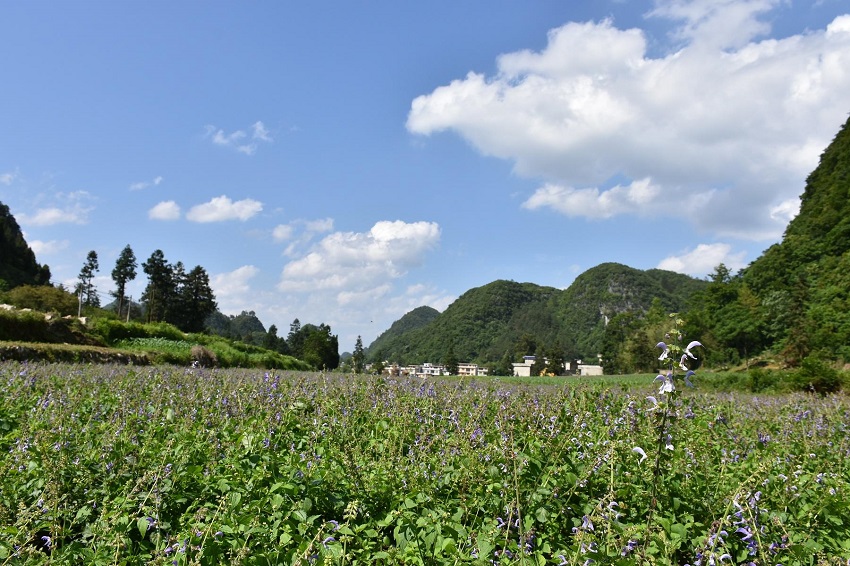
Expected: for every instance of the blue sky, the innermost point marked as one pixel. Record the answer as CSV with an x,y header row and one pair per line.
x,y
345,162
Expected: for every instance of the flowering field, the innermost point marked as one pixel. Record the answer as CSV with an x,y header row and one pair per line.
x,y
164,465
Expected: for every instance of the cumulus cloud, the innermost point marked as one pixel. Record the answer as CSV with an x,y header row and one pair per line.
x,y
70,208
721,131
165,210
223,208
639,196
356,261
233,284
300,233
240,140
703,259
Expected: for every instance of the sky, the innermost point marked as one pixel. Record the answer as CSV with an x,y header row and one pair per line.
x,y
345,162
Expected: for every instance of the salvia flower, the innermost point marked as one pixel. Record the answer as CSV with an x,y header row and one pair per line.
x,y
667,385
693,344
639,450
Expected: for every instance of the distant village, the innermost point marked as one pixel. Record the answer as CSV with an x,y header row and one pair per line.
x,y
521,369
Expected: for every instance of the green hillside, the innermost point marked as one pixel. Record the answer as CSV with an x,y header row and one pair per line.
x,y
417,318
18,265
601,293
802,283
503,317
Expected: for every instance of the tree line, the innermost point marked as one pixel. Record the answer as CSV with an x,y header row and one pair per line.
x,y
173,294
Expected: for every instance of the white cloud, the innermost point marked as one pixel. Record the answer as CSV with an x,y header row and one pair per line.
x,y
345,298
310,228
717,23
50,247
233,284
7,178
703,259
282,232
320,225
639,196
145,184
72,208
354,262
785,211
165,210
239,140
223,208
721,132
260,132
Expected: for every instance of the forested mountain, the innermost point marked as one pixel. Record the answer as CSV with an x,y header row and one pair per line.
x,y
18,265
802,283
417,318
506,317
791,303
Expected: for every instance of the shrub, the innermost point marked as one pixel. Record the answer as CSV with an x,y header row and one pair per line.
x,y
204,357
114,331
817,376
43,298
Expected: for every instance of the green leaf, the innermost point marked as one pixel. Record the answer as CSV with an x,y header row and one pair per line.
x,y
142,526
542,515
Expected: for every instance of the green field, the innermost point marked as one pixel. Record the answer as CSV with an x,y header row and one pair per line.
x,y
167,465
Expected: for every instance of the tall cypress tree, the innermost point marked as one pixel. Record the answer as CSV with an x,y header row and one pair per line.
x,y
123,273
85,288
159,292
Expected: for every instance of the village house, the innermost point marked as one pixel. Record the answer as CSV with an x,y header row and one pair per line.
x,y
576,367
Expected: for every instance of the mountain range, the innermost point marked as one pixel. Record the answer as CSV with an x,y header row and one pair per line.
x,y
794,300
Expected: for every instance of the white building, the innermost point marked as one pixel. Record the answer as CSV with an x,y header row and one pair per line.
x,y
471,369
523,369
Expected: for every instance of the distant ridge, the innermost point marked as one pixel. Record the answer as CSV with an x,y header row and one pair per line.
x,y
503,317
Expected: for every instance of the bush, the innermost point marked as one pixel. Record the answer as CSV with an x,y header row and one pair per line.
x,y
24,326
114,331
204,357
817,376
43,298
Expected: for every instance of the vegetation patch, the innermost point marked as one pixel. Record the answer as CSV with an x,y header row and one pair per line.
x,y
106,464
